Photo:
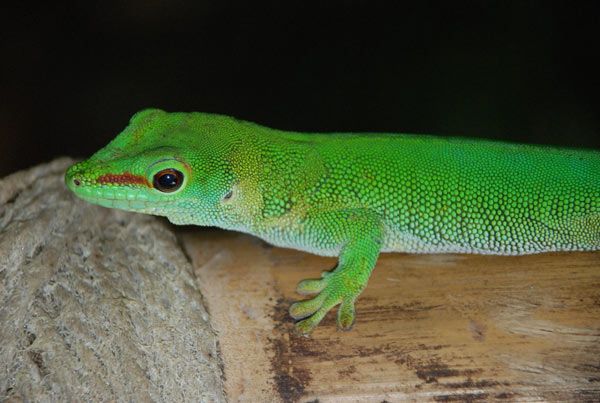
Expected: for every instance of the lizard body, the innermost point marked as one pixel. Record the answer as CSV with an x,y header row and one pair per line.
x,y
347,195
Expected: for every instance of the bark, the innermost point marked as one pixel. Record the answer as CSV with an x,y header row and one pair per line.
x,y
96,304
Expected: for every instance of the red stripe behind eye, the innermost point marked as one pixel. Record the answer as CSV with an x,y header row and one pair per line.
x,y
126,178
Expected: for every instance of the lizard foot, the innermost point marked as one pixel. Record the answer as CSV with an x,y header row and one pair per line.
x,y
334,288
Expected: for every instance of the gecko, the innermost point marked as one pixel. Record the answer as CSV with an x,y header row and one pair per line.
x,y
347,195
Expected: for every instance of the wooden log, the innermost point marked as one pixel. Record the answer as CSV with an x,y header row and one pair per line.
x,y
429,327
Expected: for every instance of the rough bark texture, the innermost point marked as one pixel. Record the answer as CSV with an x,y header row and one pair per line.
x,y
96,304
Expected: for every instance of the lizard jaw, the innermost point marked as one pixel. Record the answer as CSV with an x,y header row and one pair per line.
x,y
124,191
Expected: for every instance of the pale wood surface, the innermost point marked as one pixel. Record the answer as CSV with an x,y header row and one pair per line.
x,y
429,327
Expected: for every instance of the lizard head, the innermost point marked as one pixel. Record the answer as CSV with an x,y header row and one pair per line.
x,y
162,164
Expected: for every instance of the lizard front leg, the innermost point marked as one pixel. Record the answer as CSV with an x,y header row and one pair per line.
x,y
360,234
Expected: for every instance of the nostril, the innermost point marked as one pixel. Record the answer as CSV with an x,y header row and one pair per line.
x,y
76,182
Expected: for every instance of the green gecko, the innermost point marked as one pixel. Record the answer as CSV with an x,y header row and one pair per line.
x,y
346,194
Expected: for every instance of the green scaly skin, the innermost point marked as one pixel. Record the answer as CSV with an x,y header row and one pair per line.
x,y
349,195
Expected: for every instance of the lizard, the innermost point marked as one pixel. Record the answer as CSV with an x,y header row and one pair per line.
x,y
347,195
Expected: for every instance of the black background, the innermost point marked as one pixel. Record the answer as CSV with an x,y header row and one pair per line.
x,y
71,74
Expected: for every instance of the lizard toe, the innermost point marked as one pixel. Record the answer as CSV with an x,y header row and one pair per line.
x,y
345,315
306,326
303,309
308,287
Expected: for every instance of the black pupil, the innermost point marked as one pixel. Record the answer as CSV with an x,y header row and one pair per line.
x,y
168,180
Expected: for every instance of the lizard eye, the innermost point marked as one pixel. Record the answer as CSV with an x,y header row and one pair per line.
x,y
168,180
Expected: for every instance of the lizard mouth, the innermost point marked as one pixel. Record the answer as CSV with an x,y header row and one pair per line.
x,y
124,191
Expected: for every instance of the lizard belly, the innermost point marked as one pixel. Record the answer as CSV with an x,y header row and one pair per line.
x,y
405,242
299,240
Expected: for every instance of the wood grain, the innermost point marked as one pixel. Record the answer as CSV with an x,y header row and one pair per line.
x,y
429,327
